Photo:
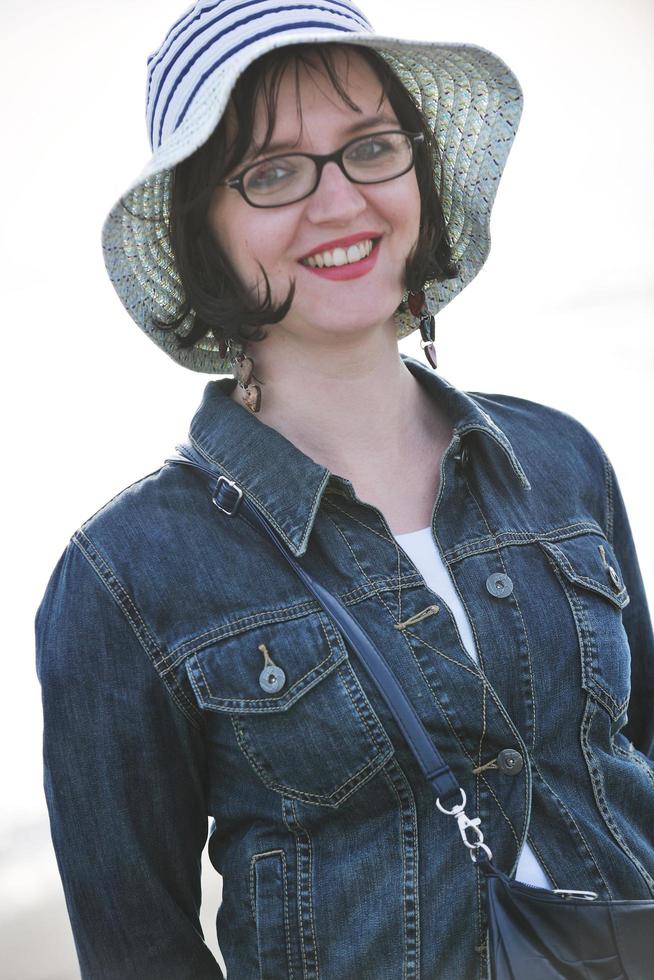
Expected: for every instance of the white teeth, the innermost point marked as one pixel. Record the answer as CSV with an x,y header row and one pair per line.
x,y
340,256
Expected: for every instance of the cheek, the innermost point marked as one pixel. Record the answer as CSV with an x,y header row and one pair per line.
x,y
244,233
404,209
416,207
251,239
229,228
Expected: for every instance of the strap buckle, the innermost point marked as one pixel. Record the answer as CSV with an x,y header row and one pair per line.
x,y
221,496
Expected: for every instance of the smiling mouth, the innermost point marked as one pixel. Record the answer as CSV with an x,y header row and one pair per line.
x,y
338,257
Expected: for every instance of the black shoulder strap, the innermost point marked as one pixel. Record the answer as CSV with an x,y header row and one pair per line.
x,y
231,501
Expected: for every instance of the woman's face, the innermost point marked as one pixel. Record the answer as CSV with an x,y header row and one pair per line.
x,y
279,237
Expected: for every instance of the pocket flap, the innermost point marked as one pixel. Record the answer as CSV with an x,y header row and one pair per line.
x,y
589,562
228,675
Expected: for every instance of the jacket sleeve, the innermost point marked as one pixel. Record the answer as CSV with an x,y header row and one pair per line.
x,y
637,621
124,779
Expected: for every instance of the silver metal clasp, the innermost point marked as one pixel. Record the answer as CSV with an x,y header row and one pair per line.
x,y
571,893
465,824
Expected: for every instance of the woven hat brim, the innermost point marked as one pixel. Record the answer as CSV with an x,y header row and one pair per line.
x,y
472,102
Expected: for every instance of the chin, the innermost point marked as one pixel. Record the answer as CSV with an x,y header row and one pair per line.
x,y
351,325
373,305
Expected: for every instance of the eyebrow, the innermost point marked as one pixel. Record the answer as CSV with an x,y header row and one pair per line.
x,y
356,127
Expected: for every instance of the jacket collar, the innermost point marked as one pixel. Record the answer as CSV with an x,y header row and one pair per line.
x,y
283,482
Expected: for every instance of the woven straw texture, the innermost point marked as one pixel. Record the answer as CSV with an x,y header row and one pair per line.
x,y
470,98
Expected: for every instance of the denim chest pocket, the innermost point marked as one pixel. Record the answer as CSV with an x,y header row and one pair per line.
x,y
590,575
298,711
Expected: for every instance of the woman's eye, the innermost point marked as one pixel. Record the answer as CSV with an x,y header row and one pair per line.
x,y
370,149
268,175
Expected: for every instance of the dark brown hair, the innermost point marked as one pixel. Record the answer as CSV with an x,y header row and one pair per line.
x,y
212,289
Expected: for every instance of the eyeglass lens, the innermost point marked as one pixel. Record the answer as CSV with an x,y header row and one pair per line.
x,y
371,159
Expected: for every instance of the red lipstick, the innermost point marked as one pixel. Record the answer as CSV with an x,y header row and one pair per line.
x,y
341,243
353,270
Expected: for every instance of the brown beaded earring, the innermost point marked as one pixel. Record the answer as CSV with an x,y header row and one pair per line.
x,y
243,369
418,306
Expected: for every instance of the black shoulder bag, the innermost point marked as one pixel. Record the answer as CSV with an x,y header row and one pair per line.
x,y
533,933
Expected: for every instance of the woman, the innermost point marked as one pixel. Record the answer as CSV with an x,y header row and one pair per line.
x,y
335,188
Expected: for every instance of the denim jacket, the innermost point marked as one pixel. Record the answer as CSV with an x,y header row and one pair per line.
x,y
152,639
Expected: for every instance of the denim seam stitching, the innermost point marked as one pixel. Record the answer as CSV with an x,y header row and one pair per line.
x,y
357,520
500,557
502,538
412,653
287,805
224,631
262,506
335,798
404,922
393,763
253,860
287,924
486,685
269,702
338,529
462,746
348,674
355,558
310,889
132,614
383,537
362,592
539,854
503,811
577,828
610,503
444,656
597,783
270,617
456,735
480,665
479,884
408,645
589,681
592,584
484,697
484,726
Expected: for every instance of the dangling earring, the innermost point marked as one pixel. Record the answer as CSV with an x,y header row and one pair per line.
x,y
418,306
243,369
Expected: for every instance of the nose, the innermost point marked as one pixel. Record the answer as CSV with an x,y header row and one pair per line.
x,y
335,198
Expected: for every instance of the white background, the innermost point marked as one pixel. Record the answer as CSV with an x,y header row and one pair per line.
x,y
561,313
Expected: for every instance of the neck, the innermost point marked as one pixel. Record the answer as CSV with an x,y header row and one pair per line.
x,y
352,407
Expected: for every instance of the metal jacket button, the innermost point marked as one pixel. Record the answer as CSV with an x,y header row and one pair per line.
x,y
499,584
613,575
272,679
462,456
509,761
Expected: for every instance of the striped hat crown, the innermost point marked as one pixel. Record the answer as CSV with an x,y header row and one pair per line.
x,y
470,99
209,35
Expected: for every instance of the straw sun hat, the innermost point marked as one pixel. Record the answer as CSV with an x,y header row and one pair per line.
x,y
470,98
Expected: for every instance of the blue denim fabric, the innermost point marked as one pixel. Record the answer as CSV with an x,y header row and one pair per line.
x,y
152,637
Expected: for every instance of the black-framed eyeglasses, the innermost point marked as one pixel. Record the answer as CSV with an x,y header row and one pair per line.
x,y
290,177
